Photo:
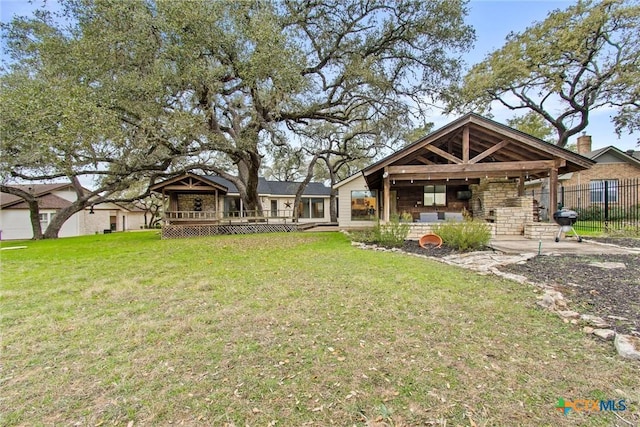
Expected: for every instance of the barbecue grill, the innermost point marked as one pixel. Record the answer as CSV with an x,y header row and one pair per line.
x,y
565,218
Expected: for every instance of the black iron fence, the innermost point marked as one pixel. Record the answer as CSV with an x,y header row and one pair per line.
x,y
602,205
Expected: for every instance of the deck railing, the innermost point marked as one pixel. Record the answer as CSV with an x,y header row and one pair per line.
x,y
281,213
191,215
226,216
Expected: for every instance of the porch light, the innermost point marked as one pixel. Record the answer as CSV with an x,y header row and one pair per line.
x,y
91,212
466,178
412,181
394,182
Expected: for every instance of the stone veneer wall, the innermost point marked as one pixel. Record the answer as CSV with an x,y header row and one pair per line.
x,y
510,220
491,194
497,201
419,229
540,230
186,202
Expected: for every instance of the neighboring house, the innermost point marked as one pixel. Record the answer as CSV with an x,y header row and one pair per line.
x,y
613,167
15,220
205,199
615,175
472,164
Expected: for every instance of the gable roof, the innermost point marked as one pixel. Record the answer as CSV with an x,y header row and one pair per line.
x,y
48,201
193,182
347,179
275,188
602,153
189,181
42,191
474,146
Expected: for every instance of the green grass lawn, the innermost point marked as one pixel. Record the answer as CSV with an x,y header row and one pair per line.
x,y
286,330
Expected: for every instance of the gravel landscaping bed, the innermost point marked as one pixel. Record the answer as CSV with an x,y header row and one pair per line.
x,y
604,285
611,293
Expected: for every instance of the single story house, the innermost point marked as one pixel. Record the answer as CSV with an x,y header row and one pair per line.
x,y
210,199
472,164
15,222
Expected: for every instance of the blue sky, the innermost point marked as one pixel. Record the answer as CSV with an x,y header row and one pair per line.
x,y
492,20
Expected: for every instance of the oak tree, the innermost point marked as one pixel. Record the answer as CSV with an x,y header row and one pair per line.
x,y
216,85
577,60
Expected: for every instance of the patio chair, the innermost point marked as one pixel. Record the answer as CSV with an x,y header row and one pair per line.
x,y
430,239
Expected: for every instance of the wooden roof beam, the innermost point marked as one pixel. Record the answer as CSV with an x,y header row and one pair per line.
x,y
424,160
465,144
490,151
443,154
477,167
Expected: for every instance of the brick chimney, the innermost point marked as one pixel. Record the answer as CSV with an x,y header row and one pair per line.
x,y
584,144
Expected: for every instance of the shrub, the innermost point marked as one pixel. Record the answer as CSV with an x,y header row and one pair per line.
x,y
364,236
394,233
591,213
464,235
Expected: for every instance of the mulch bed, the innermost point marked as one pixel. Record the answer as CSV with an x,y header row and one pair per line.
x,y
591,290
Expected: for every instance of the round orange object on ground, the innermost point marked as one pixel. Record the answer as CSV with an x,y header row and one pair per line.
x,y
430,239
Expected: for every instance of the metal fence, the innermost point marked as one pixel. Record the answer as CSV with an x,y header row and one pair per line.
x,y
602,205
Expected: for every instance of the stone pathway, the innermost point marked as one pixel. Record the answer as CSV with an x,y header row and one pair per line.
x,y
488,262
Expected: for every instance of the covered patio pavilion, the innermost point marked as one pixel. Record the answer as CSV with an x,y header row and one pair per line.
x,y
446,170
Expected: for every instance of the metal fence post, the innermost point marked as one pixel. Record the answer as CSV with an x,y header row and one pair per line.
x,y
606,205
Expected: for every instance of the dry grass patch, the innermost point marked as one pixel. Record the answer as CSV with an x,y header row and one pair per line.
x,y
295,329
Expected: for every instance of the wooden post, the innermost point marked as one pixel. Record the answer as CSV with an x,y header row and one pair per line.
x,y
465,144
386,191
521,185
553,191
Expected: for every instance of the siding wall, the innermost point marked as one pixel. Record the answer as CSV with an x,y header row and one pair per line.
x,y
344,204
16,224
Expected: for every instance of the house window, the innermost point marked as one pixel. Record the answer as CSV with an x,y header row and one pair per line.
x,y
364,205
232,207
45,219
311,208
435,195
597,190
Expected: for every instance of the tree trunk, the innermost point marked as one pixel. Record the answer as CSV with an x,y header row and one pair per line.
x,y
333,205
34,214
248,174
34,208
61,217
333,195
302,186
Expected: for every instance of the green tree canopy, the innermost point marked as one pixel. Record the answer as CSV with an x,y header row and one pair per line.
x,y
575,61
162,87
533,124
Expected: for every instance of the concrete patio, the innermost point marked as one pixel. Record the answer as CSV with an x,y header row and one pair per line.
x,y
569,246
